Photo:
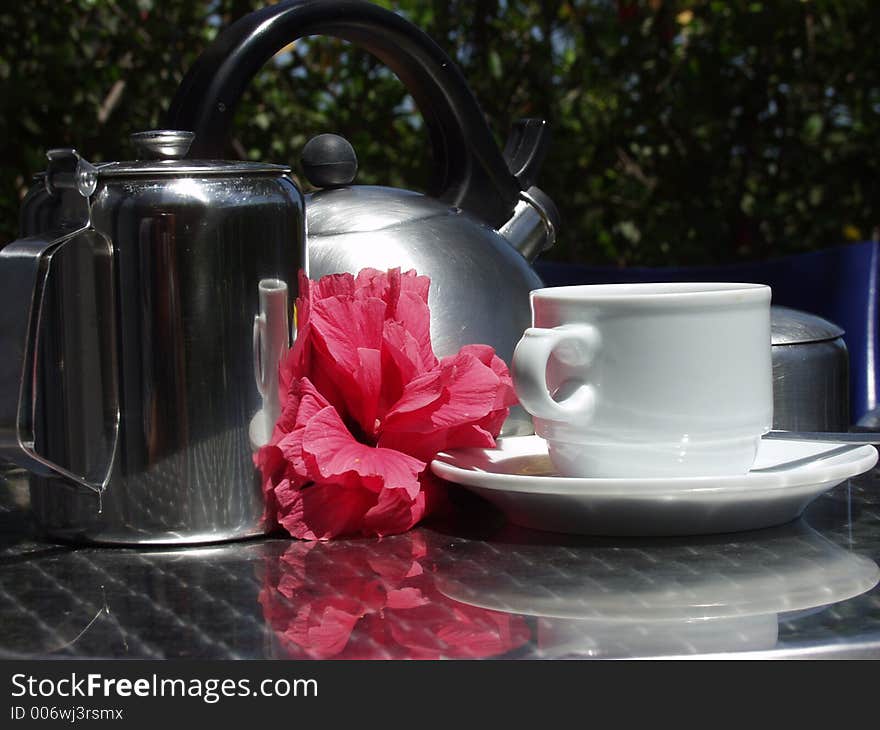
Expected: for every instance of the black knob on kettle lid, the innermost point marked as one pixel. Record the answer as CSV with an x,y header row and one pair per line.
x,y
329,161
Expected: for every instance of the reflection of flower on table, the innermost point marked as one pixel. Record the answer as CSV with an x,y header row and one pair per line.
x,y
366,600
366,405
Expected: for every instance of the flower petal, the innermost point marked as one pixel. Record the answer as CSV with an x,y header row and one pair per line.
x,y
334,285
345,324
412,313
303,401
321,511
271,463
485,354
462,390
411,282
347,341
402,362
427,446
323,627
463,403
403,598
372,283
332,455
394,512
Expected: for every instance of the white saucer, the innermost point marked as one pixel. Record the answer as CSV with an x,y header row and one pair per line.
x,y
518,477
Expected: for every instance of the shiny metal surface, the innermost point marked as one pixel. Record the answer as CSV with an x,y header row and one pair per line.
x,y
810,373
168,311
465,586
27,265
271,340
163,144
837,437
531,229
177,168
479,282
794,327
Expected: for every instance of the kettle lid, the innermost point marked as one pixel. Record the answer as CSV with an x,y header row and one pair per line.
x,y
368,208
795,327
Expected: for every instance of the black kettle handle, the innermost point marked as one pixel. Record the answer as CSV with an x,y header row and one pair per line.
x,y
470,170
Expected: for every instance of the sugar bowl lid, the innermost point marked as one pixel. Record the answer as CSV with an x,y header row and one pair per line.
x,y
795,327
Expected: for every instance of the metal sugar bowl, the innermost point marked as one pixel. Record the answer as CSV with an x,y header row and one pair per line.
x,y
810,373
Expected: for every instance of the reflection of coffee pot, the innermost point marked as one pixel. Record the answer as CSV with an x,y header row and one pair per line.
x,y
126,326
605,598
140,603
258,599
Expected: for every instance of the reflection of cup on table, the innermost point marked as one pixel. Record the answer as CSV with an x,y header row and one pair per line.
x,y
595,597
627,380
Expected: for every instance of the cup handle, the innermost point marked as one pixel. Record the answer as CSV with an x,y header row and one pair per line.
x,y
530,359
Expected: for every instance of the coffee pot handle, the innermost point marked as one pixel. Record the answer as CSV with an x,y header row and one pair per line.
x,y
25,267
471,171
25,264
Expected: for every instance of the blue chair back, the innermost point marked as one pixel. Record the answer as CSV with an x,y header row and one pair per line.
x,y
839,284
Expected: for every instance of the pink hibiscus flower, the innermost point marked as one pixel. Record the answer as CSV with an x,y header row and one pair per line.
x,y
366,405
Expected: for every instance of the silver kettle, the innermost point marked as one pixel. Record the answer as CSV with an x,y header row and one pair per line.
x,y
138,308
478,227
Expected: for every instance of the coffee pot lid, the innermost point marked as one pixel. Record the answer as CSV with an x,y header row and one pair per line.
x,y
794,327
163,152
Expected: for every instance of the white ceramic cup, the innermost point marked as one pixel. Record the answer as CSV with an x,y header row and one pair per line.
x,y
648,380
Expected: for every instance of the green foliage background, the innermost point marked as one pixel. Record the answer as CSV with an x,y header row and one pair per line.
x,y
684,131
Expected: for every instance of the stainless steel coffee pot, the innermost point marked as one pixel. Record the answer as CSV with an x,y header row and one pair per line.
x,y
134,312
478,227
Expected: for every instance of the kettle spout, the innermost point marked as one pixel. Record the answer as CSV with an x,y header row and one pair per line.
x,y
532,227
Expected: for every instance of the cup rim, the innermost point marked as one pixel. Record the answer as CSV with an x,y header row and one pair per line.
x,y
666,291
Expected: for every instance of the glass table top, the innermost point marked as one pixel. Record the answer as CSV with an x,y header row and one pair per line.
x,y
465,585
